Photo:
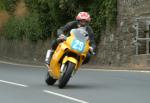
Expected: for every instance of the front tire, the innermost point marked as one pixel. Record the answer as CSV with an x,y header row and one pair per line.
x,y
66,75
49,79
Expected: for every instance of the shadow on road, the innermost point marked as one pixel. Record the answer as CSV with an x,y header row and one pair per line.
x,y
83,86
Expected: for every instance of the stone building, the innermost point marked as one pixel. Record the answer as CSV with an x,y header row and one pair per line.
x,y
128,43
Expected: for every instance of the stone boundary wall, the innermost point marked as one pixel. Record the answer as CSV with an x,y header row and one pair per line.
x,y
23,51
117,43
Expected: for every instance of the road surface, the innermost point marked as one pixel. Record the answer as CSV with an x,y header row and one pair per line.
x,y
25,84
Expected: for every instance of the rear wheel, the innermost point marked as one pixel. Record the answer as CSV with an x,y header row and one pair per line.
x,y
69,67
49,79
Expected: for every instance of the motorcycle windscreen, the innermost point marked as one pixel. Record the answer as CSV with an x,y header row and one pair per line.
x,y
79,41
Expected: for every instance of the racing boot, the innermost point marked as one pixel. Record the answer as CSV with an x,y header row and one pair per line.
x,y
48,56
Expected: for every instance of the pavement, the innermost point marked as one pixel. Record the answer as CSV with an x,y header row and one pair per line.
x,y
35,63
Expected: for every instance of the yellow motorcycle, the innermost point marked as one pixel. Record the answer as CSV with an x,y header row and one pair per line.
x,y
68,57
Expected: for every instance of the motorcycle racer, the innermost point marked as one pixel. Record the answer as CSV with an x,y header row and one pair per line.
x,y
82,20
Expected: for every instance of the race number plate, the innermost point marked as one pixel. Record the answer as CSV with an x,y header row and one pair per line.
x,y
78,45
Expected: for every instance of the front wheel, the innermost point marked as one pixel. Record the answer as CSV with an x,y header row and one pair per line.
x,y
49,79
69,67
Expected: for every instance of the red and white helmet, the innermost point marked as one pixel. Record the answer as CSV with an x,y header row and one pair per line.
x,y
83,16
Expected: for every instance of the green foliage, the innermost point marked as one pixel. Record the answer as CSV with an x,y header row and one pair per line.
x,y
54,13
8,5
103,12
20,28
48,11
51,14
2,7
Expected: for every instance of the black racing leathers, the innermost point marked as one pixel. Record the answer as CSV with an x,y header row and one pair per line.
x,y
74,24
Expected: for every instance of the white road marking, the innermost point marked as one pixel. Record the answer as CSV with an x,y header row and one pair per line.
x,y
12,83
25,65
64,96
109,70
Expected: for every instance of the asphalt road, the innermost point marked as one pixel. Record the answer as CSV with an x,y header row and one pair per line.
x,y
22,84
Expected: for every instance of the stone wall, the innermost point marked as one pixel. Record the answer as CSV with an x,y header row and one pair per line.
x,y
117,43
23,51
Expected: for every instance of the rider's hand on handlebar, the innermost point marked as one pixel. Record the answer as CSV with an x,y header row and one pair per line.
x,y
92,51
62,36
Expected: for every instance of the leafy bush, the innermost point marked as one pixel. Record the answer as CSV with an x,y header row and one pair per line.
x,y
103,12
55,13
8,5
2,7
49,15
20,28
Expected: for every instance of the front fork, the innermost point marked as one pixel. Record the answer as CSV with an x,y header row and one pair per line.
x,y
64,64
63,69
